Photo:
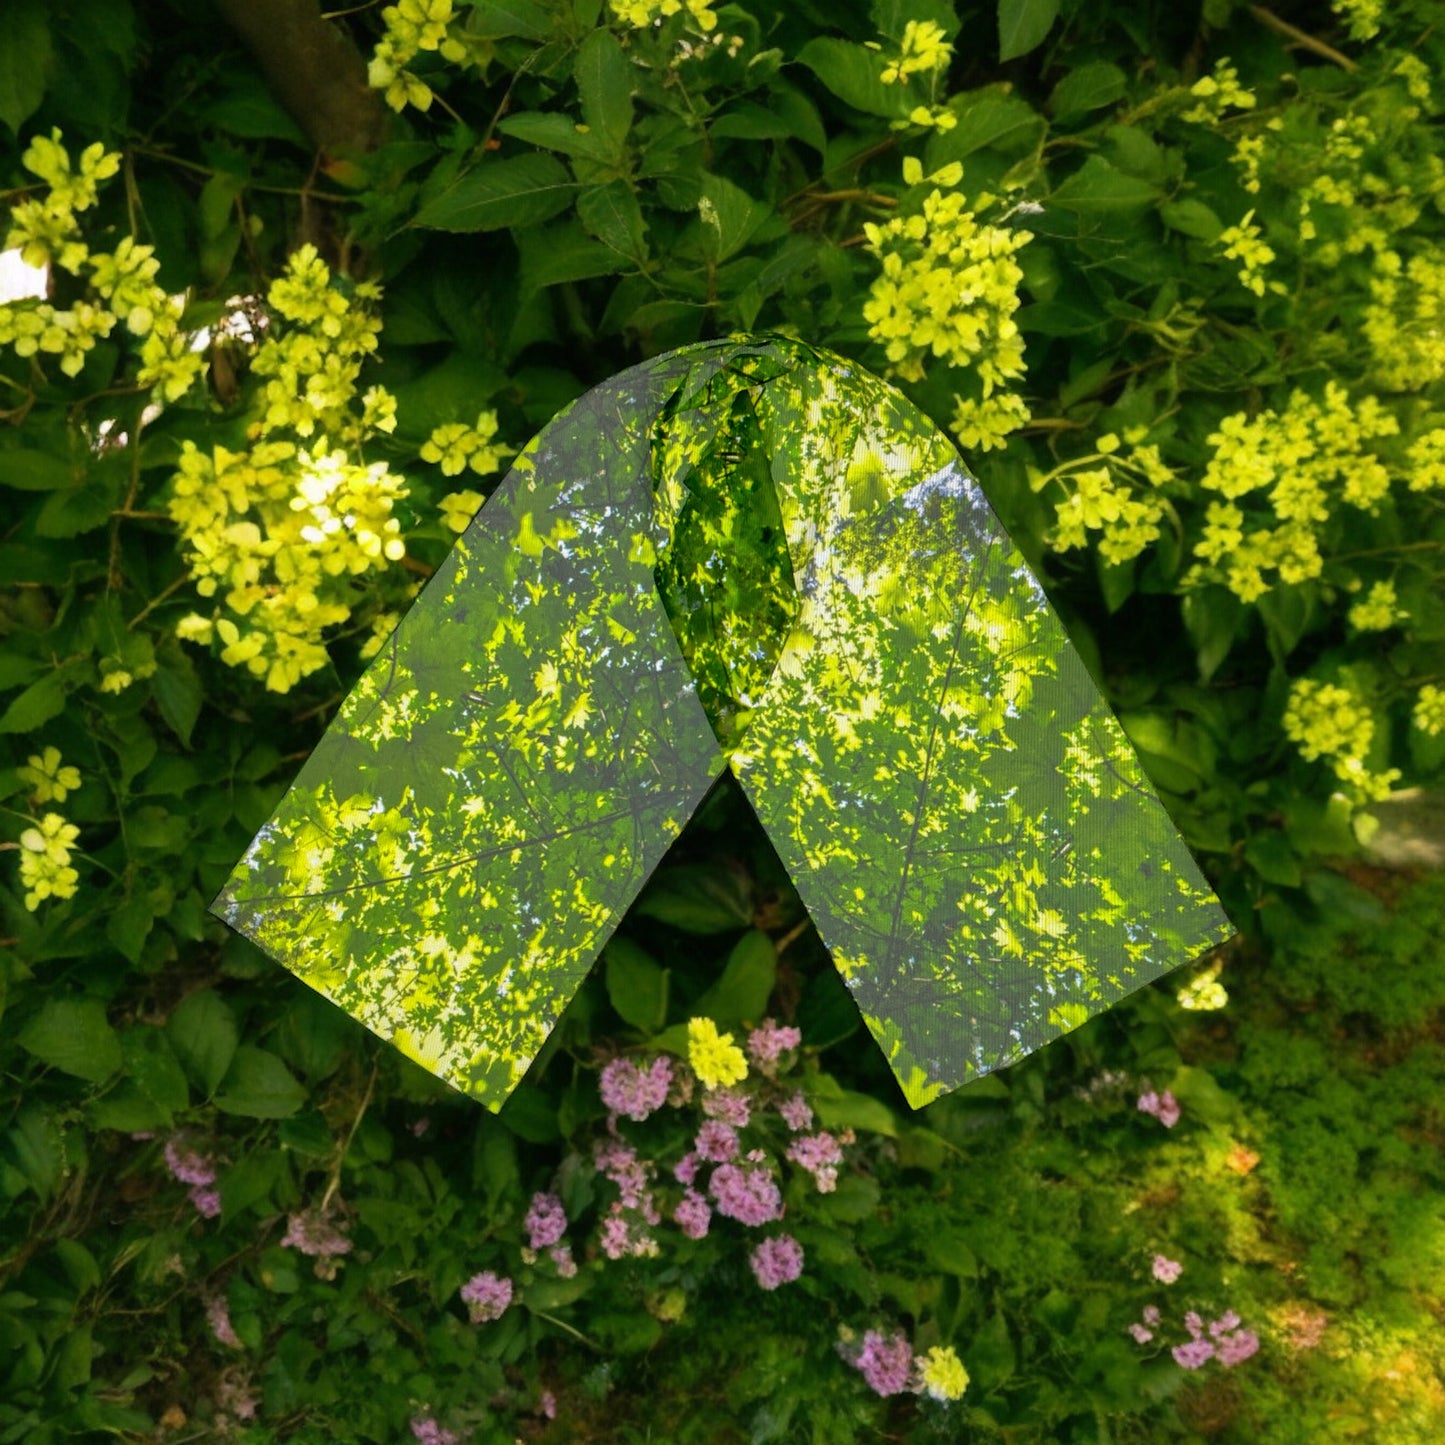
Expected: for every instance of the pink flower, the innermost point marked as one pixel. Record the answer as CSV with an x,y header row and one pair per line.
x,y
206,1200
547,1405
769,1041
886,1363
820,1155
313,1233
428,1432
796,1112
685,1170
187,1165
693,1214
487,1296
777,1261
716,1142
1227,1321
1164,1107
1141,1335
1151,1314
729,1106
1237,1346
1166,1271
632,1091
218,1316
1193,1354
546,1221
561,1257
748,1195
621,1236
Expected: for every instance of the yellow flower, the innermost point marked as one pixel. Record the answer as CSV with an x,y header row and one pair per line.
x,y
459,508
715,1058
942,1373
49,781
45,869
1429,711
1379,610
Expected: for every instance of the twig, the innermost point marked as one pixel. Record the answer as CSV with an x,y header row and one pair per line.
x,y
334,1183
1300,37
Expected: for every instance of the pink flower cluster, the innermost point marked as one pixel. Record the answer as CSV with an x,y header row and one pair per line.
x,y
546,1221
487,1296
769,1042
716,1142
1164,1107
428,1432
796,1112
693,1214
885,1362
728,1106
1166,1271
1227,1342
820,1154
312,1232
777,1261
196,1169
634,1092
218,1316
749,1195
625,1231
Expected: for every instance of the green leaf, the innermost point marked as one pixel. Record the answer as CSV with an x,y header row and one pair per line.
x,y
1090,87
697,899
73,1035
611,213
1097,188
854,74
988,119
554,132
40,702
636,985
499,19
177,691
259,1086
24,61
604,82
28,470
202,1031
741,993
1191,218
848,1109
521,191
75,510
729,216
1023,24
130,925
1269,853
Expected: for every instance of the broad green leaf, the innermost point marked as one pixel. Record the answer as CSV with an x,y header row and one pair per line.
x,y
988,119
520,191
611,213
1191,218
74,1035
1091,87
499,19
129,926
259,1086
1097,188
202,1031
563,252
636,985
24,60
177,691
604,83
40,702
854,74
1023,25
729,215
28,470
741,993
554,132
697,899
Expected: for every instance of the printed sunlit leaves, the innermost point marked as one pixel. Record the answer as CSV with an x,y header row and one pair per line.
x,y
747,555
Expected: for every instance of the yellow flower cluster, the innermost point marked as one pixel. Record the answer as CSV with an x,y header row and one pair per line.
x,y
121,285
459,508
641,14
1332,722
941,1373
1379,609
45,870
1429,710
1427,461
1216,93
411,27
1362,17
51,781
715,1058
456,446
279,531
922,50
1204,993
1306,460
1103,498
1242,243
983,425
948,288
1404,324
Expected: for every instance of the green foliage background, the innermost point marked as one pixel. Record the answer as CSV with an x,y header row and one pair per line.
x,y
522,260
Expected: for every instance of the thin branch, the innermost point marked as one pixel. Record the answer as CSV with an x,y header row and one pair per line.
x,y
1300,37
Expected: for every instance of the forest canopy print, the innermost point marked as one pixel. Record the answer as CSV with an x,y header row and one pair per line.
x,y
749,556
